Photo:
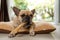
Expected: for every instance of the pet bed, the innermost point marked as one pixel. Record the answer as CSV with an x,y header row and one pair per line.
x,y
41,28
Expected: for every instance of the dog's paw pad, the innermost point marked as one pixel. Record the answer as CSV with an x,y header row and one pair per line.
x,y
32,33
11,35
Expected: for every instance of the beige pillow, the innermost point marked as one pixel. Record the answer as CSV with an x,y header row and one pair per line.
x,y
40,27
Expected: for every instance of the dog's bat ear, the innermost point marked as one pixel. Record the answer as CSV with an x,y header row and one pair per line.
x,y
33,11
16,10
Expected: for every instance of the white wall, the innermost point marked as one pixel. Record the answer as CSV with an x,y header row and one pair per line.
x,y
10,4
56,12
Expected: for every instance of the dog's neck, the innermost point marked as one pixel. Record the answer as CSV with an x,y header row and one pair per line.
x,y
28,25
16,21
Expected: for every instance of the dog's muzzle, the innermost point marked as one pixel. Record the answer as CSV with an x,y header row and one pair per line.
x,y
26,19
27,25
28,22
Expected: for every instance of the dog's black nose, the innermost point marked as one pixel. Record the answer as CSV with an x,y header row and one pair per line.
x,y
27,18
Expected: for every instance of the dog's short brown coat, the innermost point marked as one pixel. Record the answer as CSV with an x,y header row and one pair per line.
x,y
18,23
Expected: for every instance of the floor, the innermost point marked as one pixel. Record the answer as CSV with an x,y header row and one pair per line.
x,y
56,33
52,36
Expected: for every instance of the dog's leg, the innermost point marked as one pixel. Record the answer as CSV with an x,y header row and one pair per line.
x,y
13,32
31,31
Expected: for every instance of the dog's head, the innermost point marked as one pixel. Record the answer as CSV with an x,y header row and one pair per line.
x,y
24,15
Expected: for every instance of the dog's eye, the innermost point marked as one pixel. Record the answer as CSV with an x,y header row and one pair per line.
x,y
31,15
23,15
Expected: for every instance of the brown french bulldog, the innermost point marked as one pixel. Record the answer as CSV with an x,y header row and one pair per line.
x,y
24,19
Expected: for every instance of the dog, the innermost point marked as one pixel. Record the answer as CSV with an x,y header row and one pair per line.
x,y
23,19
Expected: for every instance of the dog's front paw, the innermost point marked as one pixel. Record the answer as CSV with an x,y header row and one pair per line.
x,y
11,35
32,33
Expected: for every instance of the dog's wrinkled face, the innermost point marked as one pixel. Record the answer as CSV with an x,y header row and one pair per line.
x,y
24,15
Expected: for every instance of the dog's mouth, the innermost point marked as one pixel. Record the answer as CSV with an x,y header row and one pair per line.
x,y
28,21
27,25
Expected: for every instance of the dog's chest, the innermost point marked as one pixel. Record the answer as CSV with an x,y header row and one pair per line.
x,y
27,26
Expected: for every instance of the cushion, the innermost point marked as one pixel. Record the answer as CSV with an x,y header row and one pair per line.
x,y
40,27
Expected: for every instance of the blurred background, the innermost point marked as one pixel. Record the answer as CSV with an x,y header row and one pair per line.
x,y
46,10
